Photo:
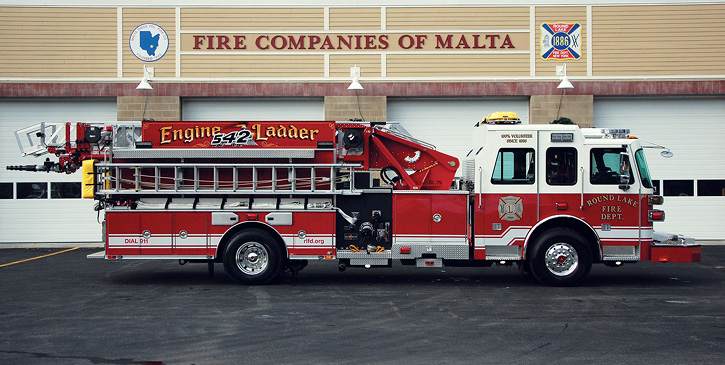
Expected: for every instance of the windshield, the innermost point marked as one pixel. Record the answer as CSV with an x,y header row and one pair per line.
x,y
643,170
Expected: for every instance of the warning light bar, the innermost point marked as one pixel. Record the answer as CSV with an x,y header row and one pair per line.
x,y
605,133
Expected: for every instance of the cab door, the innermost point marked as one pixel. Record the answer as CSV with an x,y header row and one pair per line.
x,y
560,167
506,200
611,202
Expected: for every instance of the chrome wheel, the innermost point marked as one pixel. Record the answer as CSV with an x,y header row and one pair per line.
x,y
561,259
252,258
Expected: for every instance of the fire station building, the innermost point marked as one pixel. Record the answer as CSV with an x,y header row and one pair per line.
x,y
656,68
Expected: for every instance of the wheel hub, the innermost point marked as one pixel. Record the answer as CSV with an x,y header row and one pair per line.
x,y
252,258
561,259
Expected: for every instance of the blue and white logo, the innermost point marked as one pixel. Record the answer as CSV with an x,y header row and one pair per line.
x,y
561,41
149,42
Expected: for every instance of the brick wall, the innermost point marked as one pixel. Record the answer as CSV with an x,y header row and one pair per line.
x,y
152,107
341,108
546,108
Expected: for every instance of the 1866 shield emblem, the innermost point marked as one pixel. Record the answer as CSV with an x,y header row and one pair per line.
x,y
510,208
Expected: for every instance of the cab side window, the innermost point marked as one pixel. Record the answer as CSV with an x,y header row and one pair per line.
x,y
514,166
605,166
561,166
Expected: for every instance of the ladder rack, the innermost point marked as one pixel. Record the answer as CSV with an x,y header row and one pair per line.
x,y
221,179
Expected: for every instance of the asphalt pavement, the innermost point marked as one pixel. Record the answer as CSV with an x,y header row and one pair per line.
x,y
57,307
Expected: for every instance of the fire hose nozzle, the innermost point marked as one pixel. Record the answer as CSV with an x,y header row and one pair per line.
x,y
27,168
48,166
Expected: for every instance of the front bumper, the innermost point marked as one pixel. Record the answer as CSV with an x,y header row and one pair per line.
x,y
668,247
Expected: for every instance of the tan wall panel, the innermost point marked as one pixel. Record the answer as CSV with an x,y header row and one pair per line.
x,y
354,18
165,18
458,18
561,14
658,40
543,109
252,19
457,65
370,108
58,42
369,65
252,66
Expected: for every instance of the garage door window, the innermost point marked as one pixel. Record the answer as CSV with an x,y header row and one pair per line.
x,y
678,188
6,190
32,190
711,187
65,190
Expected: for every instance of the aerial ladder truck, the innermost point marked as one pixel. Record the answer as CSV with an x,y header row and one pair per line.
x,y
267,197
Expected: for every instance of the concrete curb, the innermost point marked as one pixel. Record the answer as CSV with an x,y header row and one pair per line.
x,y
711,243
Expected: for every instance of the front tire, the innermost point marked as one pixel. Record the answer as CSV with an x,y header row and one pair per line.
x,y
560,257
252,257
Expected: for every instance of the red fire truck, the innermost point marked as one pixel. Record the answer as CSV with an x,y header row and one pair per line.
x,y
265,197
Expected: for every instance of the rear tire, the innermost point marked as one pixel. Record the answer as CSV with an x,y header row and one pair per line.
x,y
252,257
560,257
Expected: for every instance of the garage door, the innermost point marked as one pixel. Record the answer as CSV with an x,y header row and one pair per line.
x,y
44,207
448,123
693,180
253,109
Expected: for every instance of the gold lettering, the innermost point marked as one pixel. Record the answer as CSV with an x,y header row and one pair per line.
x,y
178,134
257,132
292,131
312,134
282,132
164,135
612,217
270,132
188,135
304,133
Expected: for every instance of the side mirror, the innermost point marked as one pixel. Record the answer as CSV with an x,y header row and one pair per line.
x,y
624,168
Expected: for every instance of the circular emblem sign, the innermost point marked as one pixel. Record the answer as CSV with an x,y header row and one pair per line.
x,y
149,42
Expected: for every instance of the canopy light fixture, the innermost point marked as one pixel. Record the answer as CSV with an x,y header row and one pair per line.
x,y
148,73
565,83
355,75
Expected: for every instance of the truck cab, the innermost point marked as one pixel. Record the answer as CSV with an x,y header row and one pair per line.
x,y
560,198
